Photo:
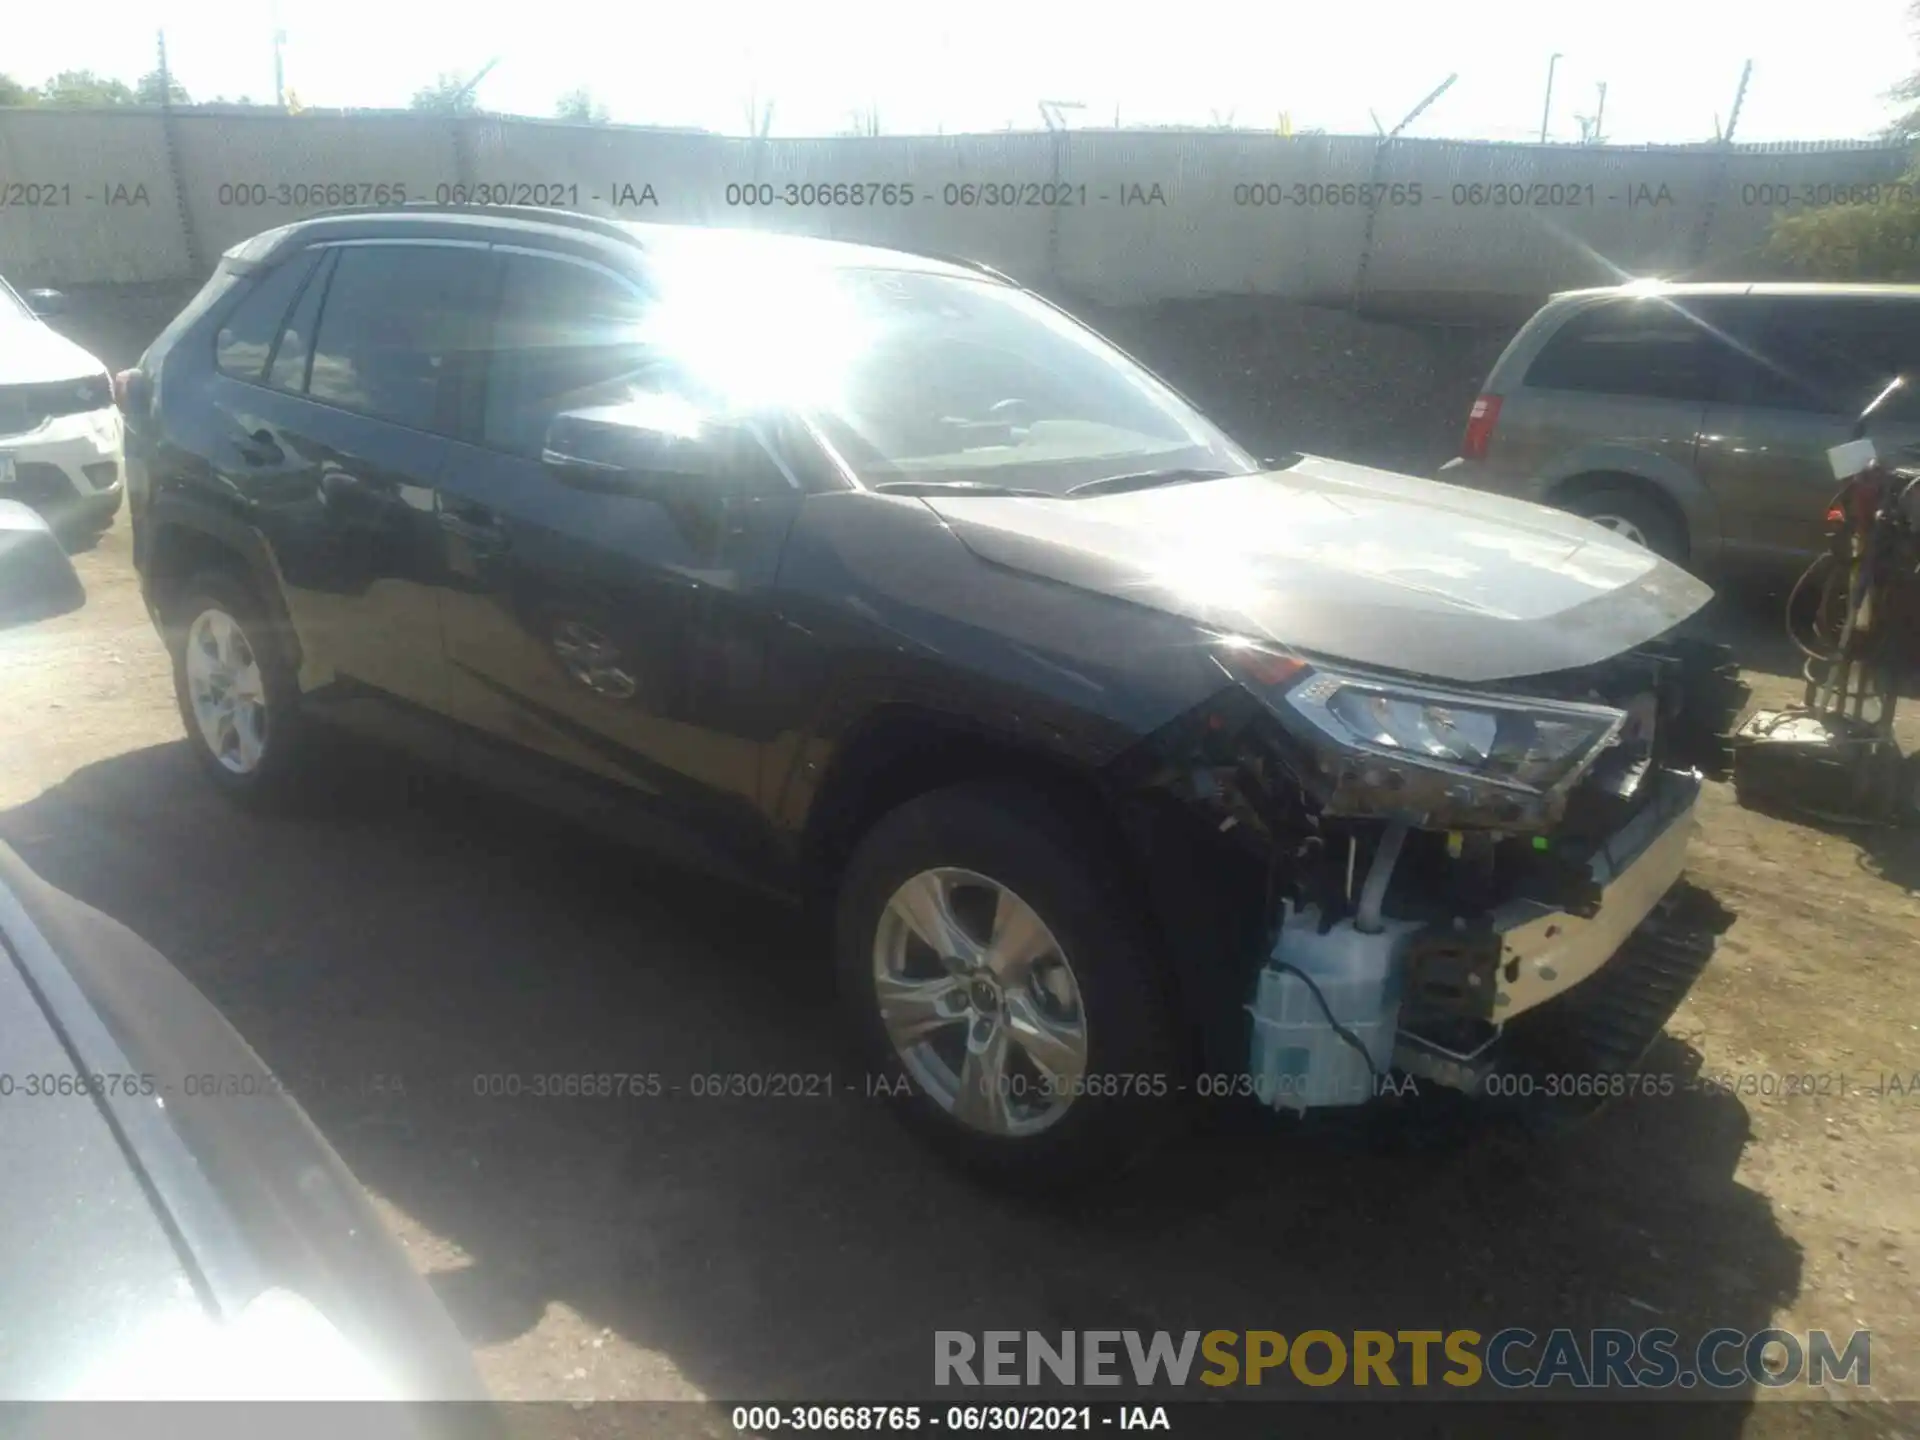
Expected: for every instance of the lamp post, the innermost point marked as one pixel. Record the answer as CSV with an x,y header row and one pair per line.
x,y
1546,111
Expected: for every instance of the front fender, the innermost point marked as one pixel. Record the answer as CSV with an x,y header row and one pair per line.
x,y
883,610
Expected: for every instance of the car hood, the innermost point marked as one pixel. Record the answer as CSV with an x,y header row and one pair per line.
x,y
1347,562
32,352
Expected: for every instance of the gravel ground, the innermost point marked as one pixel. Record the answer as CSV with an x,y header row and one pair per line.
x,y
420,934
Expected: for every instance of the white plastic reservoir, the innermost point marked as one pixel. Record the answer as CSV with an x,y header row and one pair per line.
x,y
1297,1060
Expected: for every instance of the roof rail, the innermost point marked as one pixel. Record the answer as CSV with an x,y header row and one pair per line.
x,y
568,219
576,220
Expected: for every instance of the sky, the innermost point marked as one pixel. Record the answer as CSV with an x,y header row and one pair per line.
x,y
1670,66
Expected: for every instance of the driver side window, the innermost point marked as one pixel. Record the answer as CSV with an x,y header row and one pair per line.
x,y
565,337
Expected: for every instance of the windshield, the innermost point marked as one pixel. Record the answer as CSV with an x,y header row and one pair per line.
x,y
916,376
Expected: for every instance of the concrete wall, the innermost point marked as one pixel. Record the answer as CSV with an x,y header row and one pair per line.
x,y
60,179
140,196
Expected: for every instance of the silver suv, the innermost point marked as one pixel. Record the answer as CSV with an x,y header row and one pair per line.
x,y
1694,419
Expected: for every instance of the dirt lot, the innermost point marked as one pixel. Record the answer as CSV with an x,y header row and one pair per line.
x,y
419,935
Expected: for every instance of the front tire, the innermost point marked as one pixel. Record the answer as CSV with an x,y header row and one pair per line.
x,y
1003,983
235,685
1633,515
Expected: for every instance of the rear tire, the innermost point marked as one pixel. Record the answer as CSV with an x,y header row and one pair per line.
x,y
238,698
1633,515
1044,1059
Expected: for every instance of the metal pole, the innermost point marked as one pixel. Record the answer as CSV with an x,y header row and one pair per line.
x,y
1739,98
1703,238
467,89
1546,110
1416,112
169,123
1600,120
279,38
1374,187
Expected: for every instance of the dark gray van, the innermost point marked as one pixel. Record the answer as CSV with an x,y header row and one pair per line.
x,y
1694,419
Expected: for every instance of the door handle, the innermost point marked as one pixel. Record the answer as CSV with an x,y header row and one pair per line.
x,y
481,536
355,496
260,448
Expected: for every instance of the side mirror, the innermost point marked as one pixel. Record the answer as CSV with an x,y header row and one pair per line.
x,y
47,302
639,448
37,580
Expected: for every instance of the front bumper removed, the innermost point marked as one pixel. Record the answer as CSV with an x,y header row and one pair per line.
x,y
1334,1014
1546,952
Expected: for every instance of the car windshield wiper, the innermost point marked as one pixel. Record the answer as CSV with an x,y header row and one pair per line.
x,y
1148,480
957,487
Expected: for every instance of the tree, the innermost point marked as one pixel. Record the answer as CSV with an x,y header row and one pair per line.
x,y
1879,240
867,122
148,92
83,87
12,92
579,106
1907,127
449,94
1855,242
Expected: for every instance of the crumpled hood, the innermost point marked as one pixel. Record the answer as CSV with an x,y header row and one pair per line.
x,y
32,352
1348,562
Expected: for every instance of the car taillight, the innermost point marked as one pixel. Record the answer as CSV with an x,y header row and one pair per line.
x,y
1480,422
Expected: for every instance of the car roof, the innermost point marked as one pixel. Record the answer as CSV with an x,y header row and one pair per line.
x,y
500,222
1634,289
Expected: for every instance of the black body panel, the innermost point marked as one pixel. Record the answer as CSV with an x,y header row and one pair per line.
x,y
699,669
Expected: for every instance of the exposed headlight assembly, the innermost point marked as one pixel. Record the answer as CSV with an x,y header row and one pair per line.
x,y
1379,746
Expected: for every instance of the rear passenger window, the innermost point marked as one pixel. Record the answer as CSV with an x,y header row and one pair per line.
x,y
397,323
1651,348
1831,355
288,368
244,342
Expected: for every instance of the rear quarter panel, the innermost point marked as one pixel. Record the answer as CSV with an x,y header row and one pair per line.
x,y
1547,439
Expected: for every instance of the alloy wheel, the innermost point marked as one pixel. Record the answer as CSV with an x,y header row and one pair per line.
x,y
1623,527
980,1002
227,692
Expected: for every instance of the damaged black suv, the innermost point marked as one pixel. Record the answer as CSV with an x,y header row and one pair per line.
x,y
1129,768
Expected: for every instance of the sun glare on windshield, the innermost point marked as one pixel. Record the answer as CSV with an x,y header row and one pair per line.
x,y
780,337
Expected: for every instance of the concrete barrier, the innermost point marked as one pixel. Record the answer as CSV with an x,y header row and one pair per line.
x,y
1414,226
